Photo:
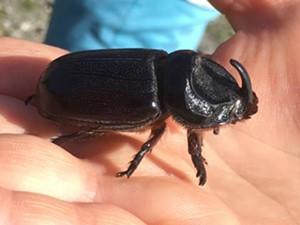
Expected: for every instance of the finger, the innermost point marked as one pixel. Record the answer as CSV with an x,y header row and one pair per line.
x,y
30,209
171,201
22,63
16,118
28,163
268,51
257,14
31,164
233,6
263,174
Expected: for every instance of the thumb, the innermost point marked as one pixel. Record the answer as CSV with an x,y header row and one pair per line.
x,y
257,14
267,44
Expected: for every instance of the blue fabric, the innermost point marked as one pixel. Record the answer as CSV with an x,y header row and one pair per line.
x,y
93,24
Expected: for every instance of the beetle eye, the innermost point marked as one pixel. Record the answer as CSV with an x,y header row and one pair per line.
x,y
238,109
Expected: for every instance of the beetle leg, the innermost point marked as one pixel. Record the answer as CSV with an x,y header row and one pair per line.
x,y
76,135
155,135
216,130
195,150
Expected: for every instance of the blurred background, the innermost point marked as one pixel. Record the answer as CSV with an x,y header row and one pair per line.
x,y
28,19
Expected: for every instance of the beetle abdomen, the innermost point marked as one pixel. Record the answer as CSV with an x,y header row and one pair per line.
x,y
108,87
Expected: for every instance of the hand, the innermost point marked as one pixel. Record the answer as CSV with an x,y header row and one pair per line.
x,y
253,167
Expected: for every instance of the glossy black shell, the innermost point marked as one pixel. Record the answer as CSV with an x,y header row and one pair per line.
x,y
128,89
133,89
110,89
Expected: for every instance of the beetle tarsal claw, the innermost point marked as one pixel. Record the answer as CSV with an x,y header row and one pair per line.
x,y
123,173
204,160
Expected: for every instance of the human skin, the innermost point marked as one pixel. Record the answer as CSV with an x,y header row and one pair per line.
x,y
253,166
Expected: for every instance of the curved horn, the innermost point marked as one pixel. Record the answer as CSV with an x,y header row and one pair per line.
x,y
246,83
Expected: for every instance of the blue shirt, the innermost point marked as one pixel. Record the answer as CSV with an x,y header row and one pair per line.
x,y
93,24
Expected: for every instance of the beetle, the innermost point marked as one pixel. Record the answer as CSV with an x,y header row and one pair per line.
x,y
119,90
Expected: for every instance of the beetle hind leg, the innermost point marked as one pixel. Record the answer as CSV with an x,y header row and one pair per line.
x,y
155,135
195,150
83,134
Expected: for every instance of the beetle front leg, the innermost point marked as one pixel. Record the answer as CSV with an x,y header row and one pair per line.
x,y
155,135
195,150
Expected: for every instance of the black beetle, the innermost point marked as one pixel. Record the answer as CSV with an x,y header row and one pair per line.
x,y
134,89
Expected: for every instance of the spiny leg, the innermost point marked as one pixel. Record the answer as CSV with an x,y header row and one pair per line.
x,y
155,135
195,150
76,135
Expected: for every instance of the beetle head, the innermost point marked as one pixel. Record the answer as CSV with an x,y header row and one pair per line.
x,y
200,93
213,93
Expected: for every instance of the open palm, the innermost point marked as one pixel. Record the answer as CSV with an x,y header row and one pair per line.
x,y
253,167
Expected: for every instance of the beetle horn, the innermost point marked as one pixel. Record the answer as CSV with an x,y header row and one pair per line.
x,y
246,83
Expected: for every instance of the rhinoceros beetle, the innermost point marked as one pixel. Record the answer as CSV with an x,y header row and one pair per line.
x,y
135,89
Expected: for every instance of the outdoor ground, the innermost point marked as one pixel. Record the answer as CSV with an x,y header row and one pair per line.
x,y
28,19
